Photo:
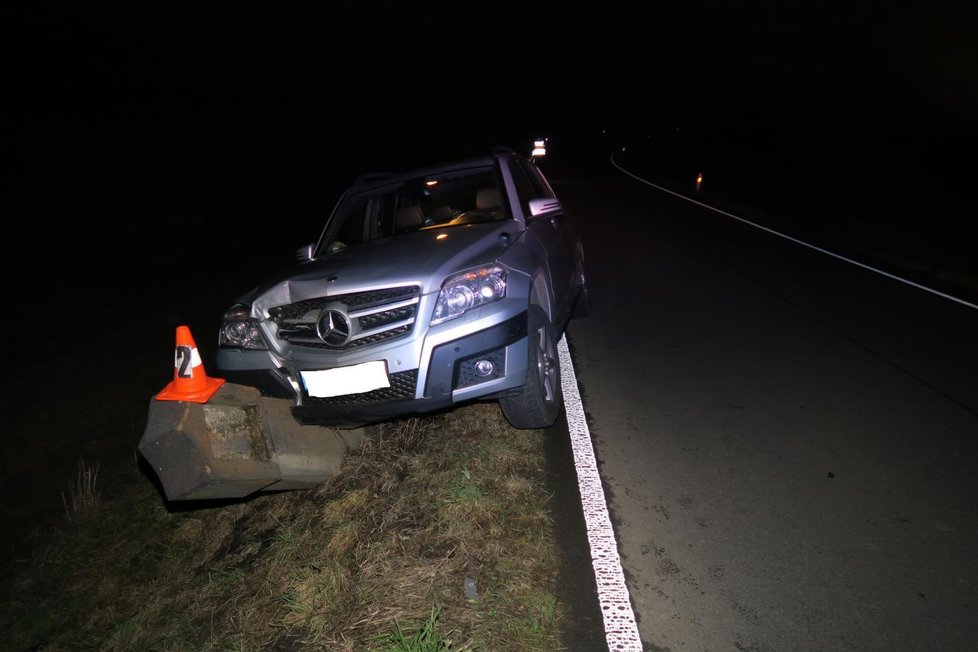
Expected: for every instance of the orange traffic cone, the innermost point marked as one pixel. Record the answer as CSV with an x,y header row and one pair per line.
x,y
190,381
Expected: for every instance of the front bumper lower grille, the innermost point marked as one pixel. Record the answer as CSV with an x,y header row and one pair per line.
x,y
402,386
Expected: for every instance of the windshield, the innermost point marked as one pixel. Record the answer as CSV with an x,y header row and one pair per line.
x,y
454,198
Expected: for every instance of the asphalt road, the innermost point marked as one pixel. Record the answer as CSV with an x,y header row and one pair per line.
x,y
788,442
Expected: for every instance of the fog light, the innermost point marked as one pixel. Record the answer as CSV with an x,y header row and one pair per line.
x,y
484,368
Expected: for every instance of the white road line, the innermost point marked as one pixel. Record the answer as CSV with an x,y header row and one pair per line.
x,y
621,630
797,241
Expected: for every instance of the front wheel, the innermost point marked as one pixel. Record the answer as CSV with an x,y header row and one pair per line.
x,y
542,399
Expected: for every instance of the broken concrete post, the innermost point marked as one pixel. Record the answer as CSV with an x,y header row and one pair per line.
x,y
238,443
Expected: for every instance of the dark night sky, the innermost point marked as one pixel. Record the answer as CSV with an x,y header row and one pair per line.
x,y
111,96
320,69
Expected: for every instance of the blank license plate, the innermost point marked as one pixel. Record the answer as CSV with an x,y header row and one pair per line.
x,y
355,379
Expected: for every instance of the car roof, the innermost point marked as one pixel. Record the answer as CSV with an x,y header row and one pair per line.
x,y
366,181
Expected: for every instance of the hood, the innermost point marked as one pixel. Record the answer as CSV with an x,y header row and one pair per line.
x,y
422,258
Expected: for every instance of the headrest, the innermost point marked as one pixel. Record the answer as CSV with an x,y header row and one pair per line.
x,y
487,199
440,213
408,218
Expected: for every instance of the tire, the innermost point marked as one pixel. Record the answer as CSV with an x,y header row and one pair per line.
x,y
542,399
582,304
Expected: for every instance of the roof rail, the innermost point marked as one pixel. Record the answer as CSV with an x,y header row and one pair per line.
x,y
371,176
504,149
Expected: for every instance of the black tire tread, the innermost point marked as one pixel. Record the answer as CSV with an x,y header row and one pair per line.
x,y
529,410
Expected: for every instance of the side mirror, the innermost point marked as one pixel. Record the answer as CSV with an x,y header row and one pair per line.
x,y
544,206
305,252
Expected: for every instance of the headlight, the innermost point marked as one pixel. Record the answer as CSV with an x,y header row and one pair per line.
x,y
238,330
470,289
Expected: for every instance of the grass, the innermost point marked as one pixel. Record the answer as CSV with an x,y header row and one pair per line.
x,y
83,494
426,639
374,559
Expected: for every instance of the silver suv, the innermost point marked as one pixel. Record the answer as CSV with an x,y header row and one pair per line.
x,y
425,290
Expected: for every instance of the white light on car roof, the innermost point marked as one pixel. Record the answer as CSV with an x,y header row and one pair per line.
x,y
539,143
432,182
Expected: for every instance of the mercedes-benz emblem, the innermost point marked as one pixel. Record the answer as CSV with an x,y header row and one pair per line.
x,y
333,328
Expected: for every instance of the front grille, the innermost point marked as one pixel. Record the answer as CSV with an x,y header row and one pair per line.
x,y
375,316
402,386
